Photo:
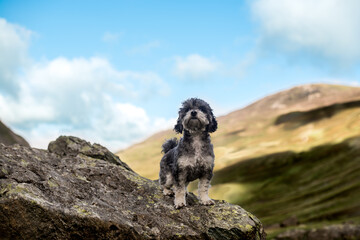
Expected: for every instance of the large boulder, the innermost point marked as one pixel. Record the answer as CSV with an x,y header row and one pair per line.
x,y
76,190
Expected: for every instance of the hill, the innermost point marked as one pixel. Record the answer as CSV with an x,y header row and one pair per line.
x,y
316,187
8,137
296,120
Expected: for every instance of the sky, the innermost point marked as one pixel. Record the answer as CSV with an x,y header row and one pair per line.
x,y
116,72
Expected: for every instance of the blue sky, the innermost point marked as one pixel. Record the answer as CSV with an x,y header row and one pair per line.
x,y
115,72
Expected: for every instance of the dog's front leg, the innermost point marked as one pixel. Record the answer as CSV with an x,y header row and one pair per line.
x,y
203,191
180,193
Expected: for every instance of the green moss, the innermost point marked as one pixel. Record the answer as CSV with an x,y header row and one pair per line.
x,y
5,189
140,181
10,189
158,196
85,148
89,160
248,227
194,218
81,178
24,163
174,211
52,183
81,211
5,171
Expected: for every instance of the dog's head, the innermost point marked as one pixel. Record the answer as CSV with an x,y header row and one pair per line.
x,y
196,115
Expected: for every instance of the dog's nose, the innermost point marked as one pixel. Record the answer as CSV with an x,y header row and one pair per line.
x,y
193,113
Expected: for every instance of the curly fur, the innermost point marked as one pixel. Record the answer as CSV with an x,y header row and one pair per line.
x,y
169,144
192,157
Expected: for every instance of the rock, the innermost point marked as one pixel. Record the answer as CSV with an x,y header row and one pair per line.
x,y
291,221
73,146
81,191
331,232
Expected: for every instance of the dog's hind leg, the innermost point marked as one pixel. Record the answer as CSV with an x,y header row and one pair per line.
x,y
167,185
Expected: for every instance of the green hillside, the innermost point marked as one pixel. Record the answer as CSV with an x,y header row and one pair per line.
x,y
319,185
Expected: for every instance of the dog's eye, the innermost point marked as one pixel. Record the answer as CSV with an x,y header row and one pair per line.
x,y
203,109
186,109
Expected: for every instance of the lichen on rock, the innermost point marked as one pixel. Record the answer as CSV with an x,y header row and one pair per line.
x,y
79,190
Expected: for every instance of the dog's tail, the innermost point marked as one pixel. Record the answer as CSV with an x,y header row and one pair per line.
x,y
169,144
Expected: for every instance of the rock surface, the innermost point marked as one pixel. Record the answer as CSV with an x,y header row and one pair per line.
x,y
331,232
76,190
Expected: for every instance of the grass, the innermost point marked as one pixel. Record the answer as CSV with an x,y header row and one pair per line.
x,y
319,185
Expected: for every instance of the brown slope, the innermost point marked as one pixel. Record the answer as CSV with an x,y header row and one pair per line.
x,y
252,132
8,137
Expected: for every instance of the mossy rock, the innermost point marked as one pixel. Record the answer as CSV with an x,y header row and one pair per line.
x,y
75,191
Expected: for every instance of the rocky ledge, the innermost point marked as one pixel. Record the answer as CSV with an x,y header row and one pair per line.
x,y
76,190
330,232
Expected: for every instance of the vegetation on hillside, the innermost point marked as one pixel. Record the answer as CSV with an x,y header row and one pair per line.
x,y
319,185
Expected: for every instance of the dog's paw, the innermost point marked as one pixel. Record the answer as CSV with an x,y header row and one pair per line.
x,y
168,192
179,205
179,202
207,202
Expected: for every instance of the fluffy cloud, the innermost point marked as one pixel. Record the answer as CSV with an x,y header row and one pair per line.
x,y
14,41
86,97
194,66
330,28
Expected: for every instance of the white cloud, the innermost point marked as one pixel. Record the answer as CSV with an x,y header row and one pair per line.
x,y
14,41
330,28
194,66
85,97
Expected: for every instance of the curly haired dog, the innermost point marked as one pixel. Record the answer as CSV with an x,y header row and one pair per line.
x,y
193,156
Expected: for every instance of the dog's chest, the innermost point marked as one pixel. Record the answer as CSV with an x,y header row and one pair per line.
x,y
198,155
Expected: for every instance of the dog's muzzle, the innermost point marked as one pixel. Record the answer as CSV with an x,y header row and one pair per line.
x,y
194,123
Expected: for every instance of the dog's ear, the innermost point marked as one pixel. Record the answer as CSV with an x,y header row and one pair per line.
x,y
213,123
178,127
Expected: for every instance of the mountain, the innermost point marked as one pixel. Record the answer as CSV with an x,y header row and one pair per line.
x,y
8,137
296,119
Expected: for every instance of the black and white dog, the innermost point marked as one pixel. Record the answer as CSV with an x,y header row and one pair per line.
x,y
193,156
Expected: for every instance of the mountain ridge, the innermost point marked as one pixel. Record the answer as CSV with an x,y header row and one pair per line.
x,y
8,137
247,132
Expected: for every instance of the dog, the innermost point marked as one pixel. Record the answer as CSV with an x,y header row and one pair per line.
x,y
192,157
